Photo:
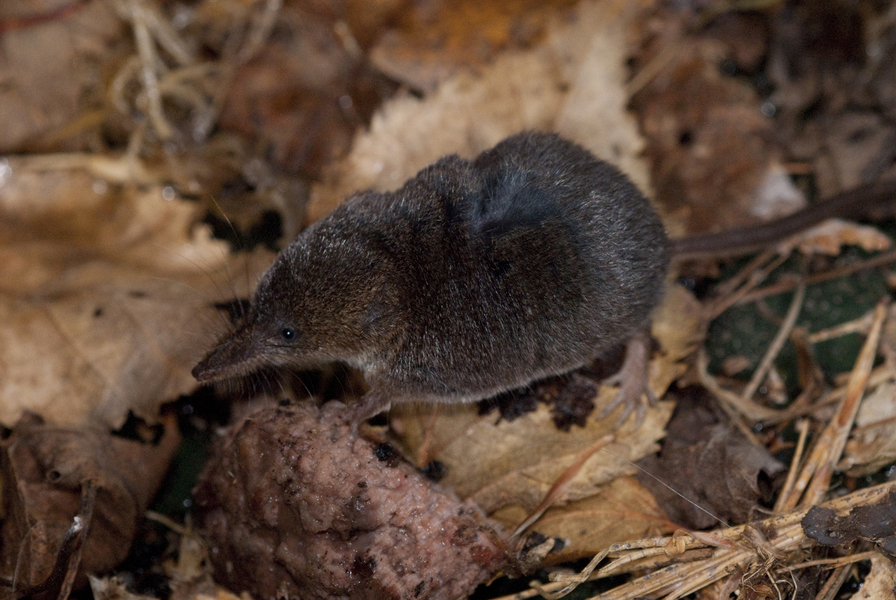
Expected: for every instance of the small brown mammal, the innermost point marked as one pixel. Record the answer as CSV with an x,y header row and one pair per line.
x,y
474,278
481,276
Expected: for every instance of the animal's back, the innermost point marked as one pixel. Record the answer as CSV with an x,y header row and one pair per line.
x,y
528,261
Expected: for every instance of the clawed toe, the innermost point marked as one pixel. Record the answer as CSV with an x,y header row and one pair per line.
x,y
632,381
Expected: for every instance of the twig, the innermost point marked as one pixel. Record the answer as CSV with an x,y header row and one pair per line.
x,y
561,483
13,23
787,489
786,286
815,477
756,271
730,400
833,584
860,325
149,63
835,562
776,345
736,547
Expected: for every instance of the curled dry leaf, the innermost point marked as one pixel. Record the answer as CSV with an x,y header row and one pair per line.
x,y
296,505
873,523
708,471
107,298
829,237
45,472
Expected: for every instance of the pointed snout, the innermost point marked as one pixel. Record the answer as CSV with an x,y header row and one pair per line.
x,y
207,369
234,355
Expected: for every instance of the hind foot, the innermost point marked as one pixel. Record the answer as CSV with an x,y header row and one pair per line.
x,y
632,381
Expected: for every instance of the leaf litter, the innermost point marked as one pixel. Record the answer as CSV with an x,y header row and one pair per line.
x,y
116,280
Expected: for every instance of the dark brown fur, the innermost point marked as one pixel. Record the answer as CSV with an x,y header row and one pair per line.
x,y
474,278
481,276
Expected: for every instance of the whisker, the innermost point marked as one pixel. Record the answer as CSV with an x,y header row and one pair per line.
x,y
242,244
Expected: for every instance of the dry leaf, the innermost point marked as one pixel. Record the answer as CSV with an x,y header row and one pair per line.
x,y
829,237
107,298
308,89
516,463
713,154
572,83
435,41
708,471
880,583
872,444
622,510
45,472
42,91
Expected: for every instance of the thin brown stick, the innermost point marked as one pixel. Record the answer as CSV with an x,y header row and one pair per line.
x,y
787,490
777,344
757,271
562,482
786,286
736,548
815,476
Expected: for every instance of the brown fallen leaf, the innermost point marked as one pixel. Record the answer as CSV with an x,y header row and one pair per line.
x,y
880,583
309,88
872,444
623,509
831,236
874,523
572,83
46,472
43,90
707,471
514,464
433,42
107,297
714,158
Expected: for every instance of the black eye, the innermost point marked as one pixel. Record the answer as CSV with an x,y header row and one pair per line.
x,y
288,333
